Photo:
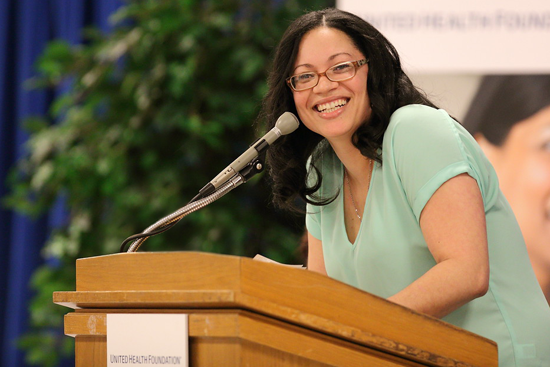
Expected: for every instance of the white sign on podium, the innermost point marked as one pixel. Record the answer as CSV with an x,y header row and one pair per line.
x,y
147,340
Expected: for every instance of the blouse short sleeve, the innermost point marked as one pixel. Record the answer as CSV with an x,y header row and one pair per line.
x,y
426,147
313,223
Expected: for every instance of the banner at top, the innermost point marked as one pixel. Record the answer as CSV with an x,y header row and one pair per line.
x,y
481,36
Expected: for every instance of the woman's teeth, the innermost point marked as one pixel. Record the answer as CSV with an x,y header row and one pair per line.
x,y
331,106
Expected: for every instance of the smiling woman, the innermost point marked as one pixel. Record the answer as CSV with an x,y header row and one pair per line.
x,y
330,114
401,201
510,118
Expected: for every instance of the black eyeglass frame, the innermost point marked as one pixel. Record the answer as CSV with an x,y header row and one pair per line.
x,y
356,65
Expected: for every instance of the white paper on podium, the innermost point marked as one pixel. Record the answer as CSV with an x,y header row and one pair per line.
x,y
264,259
147,340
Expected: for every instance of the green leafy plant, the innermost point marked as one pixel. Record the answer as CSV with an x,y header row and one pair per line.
x,y
150,113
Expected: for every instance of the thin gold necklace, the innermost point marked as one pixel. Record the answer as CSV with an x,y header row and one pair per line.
x,y
349,188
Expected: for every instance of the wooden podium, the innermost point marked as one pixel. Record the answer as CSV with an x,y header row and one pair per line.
x,y
244,312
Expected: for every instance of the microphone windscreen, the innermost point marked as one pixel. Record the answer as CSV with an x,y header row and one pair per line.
x,y
287,123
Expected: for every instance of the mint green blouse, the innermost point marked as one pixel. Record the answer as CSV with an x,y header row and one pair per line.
x,y
422,148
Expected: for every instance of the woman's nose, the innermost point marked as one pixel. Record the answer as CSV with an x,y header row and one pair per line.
x,y
324,84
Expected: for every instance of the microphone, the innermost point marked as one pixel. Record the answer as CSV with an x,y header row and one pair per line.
x,y
286,124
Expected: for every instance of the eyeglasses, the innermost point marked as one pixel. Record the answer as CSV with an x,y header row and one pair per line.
x,y
336,73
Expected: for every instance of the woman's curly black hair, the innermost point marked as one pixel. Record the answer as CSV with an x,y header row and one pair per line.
x,y
388,87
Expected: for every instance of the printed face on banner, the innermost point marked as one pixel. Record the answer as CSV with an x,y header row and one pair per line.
x,y
522,164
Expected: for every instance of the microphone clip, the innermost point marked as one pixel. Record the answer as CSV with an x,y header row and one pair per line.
x,y
252,169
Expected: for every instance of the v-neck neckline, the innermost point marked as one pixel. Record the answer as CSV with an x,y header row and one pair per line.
x,y
341,209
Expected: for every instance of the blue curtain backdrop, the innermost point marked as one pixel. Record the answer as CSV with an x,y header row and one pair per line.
x,y
25,27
